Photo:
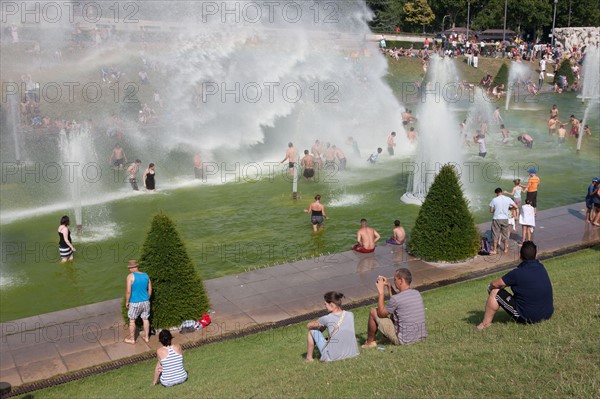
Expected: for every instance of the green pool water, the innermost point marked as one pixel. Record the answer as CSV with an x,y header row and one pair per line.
x,y
233,227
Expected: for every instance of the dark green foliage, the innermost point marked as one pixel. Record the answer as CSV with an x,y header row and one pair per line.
x,y
178,292
445,229
502,76
566,70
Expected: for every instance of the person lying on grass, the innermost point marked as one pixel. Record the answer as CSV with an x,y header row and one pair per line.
x,y
341,341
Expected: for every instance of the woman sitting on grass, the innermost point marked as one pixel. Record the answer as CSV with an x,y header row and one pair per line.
x,y
341,343
169,369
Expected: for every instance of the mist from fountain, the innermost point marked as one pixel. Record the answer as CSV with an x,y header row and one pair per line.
x,y
517,74
439,139
590,91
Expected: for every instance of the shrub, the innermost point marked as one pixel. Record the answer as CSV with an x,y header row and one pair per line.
x,y
445,229
566,70
502,76
178,292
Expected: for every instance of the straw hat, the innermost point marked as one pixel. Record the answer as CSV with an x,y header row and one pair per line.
x,y
132,264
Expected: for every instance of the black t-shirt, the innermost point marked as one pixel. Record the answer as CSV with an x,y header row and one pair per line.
x,y
532,290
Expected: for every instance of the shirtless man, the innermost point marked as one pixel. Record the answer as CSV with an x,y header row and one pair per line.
x,y
497,117
554,112
562,134
527,140
308,163
504,132
366,238
316,150
330,156
406,117
290,156
117,157
198,173
391,143
552,123
412,135
575,126
340,156
398,235
132,171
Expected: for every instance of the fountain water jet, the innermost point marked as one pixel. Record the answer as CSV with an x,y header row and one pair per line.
x,y
439,140
591,86
518,73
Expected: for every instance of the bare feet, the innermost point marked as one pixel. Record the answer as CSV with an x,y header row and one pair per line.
x,y
369,345
146,340
481,326
493,252
307,360
129,341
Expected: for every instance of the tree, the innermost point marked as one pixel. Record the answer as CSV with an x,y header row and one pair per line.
x,y
178,292
445,229
417,13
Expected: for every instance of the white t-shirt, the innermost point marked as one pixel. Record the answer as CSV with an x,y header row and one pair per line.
x,y
482,147
527,216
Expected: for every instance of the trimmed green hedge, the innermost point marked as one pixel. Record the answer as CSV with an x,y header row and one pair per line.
x,y
178,292
445,229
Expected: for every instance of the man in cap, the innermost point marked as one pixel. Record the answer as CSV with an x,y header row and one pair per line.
x,y
137,300
589,199
532,187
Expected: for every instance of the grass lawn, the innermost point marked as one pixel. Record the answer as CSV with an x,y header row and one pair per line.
x,y
557,358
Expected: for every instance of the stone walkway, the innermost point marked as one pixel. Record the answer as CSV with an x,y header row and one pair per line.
x,y
46,345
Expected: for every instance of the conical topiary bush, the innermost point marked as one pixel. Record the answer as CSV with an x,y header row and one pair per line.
x,y
445,229
502,76
178,292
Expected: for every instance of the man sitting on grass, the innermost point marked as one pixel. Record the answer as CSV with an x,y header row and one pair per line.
x,y
531,300
406,308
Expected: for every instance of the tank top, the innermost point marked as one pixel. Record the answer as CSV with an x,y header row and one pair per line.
x,y
173,372
61,240
139,288
317,213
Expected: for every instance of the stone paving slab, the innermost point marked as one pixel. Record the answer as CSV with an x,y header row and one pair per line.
x,y
45,345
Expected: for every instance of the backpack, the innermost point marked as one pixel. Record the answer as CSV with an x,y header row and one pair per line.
x,y
485,246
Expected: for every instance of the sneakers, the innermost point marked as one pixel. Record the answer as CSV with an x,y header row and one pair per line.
x,y
370,345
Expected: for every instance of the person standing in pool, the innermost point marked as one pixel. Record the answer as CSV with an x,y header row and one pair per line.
x,y
118,157
65,245
290,156
308,163
149,182
317,213
391,143
132,172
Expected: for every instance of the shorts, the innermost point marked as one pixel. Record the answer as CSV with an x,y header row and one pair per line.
x,y
387,328
532,197
589,203
361,249
499,229
308,173
392,241
391,150
343,164
119,162
482,154
316,219
517,201
291,165
139,309
507,302
133,182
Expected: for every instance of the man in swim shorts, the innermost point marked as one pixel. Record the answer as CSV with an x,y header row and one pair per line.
x,y
308,163
366,238
290,156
